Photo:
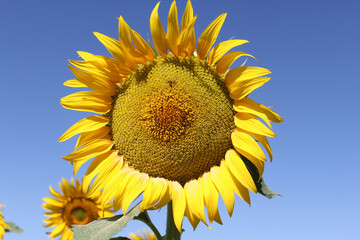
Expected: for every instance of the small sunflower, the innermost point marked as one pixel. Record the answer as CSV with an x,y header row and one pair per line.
x,y
174,123
72,207
145,235
3,224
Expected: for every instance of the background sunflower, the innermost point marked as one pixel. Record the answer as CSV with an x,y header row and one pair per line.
x,y
70,207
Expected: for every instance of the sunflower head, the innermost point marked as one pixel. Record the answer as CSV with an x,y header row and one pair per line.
x,y
3,224
70,207
175,123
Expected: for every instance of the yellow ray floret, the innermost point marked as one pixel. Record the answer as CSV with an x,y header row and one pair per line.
x,y
208,37
173,29
222,48
157,32
145,235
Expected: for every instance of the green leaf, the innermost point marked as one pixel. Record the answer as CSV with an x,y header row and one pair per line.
x,y
14,228
265,190
260,184
104,229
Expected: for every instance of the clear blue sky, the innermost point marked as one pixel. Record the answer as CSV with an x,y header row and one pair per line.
x,y
312,48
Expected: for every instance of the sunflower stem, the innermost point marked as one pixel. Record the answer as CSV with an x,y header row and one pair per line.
x,y
145,218
172,232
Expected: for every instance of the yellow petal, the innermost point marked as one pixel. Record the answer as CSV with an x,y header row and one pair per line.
x,y
263,140
154,192
109,192
54,202
87,124
173,29
179,203
247,146
259,110
53,214
115,48
211,195
123,184
67,235
124,34
107,64
242,107
90,150
158,32
240,189
187,16
126,44
77,166
249,123
244,88
85,137
165,196
238,168
51,222
208,37
88,101
58,230
224,185
240,74
186,40
194,221
226,61
95,82
51,207
217,217
74,83
136,186
95,67
142,46
84,65
222,48
195,199
65,186
96,166
55,193
106,172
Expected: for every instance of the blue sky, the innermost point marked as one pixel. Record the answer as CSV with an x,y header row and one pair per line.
x,y
312,49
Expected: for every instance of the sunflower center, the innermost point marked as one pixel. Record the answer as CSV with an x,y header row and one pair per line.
x,y
79,214
173,119
167,114
80,211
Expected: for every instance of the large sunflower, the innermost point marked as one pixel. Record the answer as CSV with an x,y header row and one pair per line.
x,y
3,224
72,207
175,124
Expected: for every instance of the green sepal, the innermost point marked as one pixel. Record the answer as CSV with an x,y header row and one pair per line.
x,y
259,182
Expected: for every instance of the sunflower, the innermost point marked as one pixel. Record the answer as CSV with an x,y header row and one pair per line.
x,y
145,235
3,224
72,207
173,123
